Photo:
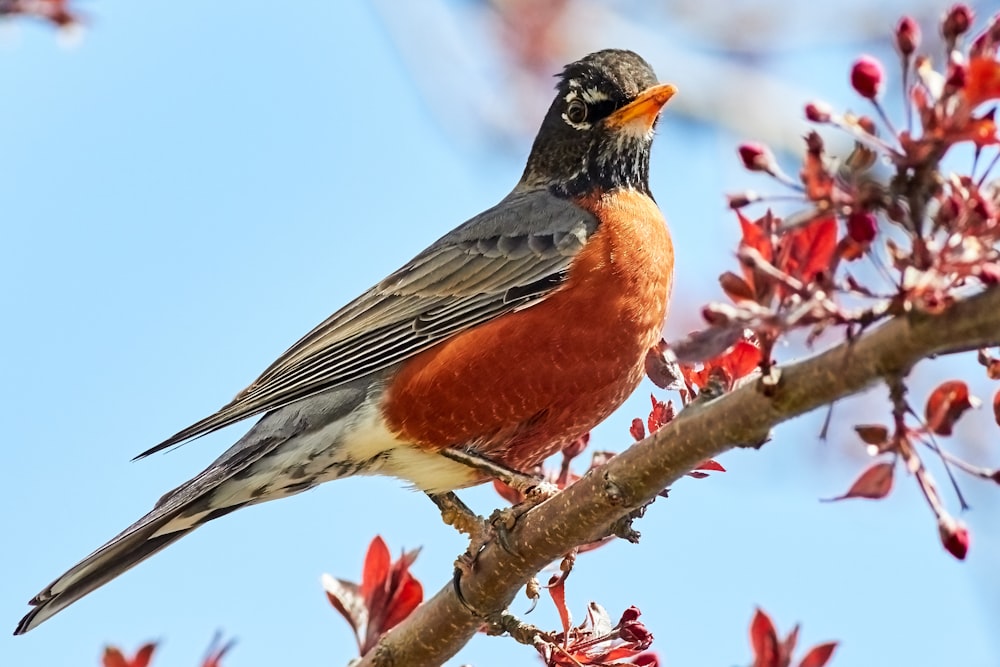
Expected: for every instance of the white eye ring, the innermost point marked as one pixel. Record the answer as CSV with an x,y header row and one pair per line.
x,y
576,111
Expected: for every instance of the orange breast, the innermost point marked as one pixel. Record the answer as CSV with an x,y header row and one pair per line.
x,y
520,387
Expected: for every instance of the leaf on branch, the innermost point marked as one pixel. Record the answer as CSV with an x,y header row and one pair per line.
x,y
996,407
637,430
736,288
873,434
663,371
709,464
810,249
737,361
217,651
388,593
874,483
596,642
113,657
982,81
819,655
946,404
557,591
764,640
707,343
660,415
769,651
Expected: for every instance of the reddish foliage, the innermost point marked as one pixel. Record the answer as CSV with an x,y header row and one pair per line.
x,y
216,652
737,362
946,404
56,12
996,407
637,430
807,252
596,641
818,655
873,434
388,593
874,483
113,657
660,415
770,651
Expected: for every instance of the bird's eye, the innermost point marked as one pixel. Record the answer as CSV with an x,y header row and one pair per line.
x,y
576,111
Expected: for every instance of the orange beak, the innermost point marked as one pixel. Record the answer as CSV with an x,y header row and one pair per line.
x,y
641,112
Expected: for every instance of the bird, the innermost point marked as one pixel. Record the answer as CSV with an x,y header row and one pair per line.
x,y
505,340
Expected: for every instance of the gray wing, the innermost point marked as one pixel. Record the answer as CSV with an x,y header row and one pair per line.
x,y
505,259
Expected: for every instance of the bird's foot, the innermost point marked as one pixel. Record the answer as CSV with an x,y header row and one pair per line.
x,y
460,516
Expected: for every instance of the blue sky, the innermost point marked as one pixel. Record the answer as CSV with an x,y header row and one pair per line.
x,y
192,188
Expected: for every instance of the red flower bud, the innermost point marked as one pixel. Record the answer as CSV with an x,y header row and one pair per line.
x,y
861,226
957,21
756,157
954,536
866,76
818,112
907,36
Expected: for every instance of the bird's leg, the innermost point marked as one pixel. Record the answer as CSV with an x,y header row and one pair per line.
x,y
460,516
457,514
530,486
532,489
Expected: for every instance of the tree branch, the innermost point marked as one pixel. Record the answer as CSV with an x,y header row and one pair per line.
x,y
587,510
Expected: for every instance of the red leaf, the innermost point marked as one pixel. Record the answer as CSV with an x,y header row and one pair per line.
x,y
818,655
874,483
637,430
660,415
509,494
754,236
945,405
763,640
387,595
557,591
646,660
996,407
113,658
710,464
664,373
814,175
409,594
788,646
810,249
144,655
376,568
216,652
873,434
347,600
706,344
742,359
982,81
736,288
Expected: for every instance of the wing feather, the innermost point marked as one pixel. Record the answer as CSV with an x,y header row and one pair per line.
x,y
504,259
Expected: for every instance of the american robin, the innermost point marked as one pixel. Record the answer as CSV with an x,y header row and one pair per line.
x,y
506,339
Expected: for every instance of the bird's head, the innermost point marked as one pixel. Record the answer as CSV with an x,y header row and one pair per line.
x,y
599,129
